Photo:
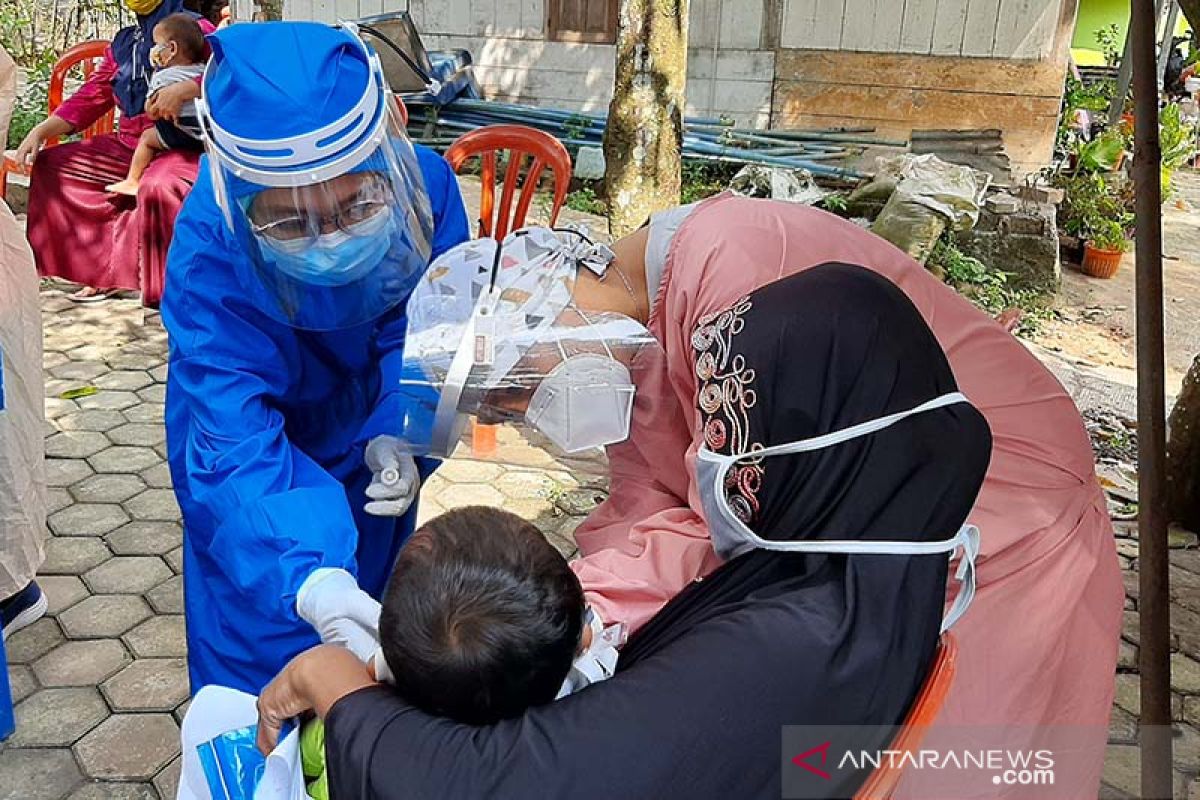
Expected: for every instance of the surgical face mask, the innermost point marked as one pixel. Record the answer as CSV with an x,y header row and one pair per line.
x,y
598,662
731,537
584,402
161,54
335,258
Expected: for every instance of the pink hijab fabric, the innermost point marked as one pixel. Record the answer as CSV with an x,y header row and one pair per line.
x,y
1038,647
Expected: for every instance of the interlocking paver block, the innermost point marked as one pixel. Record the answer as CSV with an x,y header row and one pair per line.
x,y
124,459
21,681
29,644
91,352
158,476
457,495
167,781
124,380
78,370
57,717
88,519
174,560
135,361
104,615
75,444
66,471
61,591
167,597
114,400
145,412
105,790
37,774
142,434
57,499
67,555
162,636
57,407
159,373
97,419
141,538
129,746
155,393
519,484
466,471
108,488
154,504
127,575
81,663
182,710
148,684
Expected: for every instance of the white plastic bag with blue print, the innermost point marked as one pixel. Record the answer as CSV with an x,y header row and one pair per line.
x,y
220,760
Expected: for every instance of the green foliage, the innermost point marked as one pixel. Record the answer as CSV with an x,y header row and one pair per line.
x,y
1103,153
703,179
1108,235
836,203
30,107
1178,142
1094,203
585,200
1112,44
985,287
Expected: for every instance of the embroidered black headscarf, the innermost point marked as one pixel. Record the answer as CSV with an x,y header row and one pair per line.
x,y
705,688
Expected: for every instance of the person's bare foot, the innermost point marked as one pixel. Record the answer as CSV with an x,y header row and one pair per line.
x,y
88,294
127,187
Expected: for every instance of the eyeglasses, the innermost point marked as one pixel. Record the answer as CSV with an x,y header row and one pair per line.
x,y
371,202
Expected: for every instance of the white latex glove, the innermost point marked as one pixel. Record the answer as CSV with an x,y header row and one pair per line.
x,y
341,613
394,480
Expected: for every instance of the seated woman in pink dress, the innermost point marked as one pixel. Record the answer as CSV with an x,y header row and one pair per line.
x,y
79,231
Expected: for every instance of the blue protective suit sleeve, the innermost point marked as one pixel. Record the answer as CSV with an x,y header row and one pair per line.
x,y
449,229
269,513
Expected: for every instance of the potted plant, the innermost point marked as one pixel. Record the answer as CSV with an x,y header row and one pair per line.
x,y
1105,245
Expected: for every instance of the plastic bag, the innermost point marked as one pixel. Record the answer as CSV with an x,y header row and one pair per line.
x,y
220,761
777,183
930,195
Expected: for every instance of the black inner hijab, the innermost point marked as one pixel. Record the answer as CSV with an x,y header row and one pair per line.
x,y
769,639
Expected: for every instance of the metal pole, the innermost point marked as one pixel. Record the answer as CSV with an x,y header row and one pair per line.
x,y
1153,603
1125,72
1164,47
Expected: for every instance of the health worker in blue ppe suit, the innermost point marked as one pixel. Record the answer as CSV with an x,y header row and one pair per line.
x,y
286,284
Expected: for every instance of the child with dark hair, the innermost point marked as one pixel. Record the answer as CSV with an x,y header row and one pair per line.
x,y
178,54
482,618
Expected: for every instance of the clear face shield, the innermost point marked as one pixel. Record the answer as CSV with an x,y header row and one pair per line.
x,y
336,224
501,365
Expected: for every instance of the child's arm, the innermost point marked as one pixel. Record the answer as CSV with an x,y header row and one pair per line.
x,y
312,681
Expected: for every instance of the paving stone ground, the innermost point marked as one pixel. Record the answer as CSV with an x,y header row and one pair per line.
x,y
100,683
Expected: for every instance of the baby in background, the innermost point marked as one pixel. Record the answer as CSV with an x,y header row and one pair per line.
x,y
178,55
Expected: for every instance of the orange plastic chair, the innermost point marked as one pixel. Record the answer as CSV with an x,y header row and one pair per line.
x,y
85,55
882,782
520,141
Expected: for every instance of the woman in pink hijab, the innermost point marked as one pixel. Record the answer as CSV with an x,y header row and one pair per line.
x,y
1038,647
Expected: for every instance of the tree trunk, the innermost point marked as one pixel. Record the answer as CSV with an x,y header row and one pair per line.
x,y
268,10
1183,454
645,118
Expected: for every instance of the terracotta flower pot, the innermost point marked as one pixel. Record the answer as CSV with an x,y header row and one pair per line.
x,y
1101,263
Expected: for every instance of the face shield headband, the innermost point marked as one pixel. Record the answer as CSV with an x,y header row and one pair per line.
x,y
731,537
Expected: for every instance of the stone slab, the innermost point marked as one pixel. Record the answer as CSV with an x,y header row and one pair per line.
x,y
63,472
88,519
61,591
21,681
167,780
31,643
73,555
129,747
158,476
81,663
127,575
96,419
167,597
37,774
109,399
145,412
57,717
124,459
148,684
107,790
155,505
139,434
124,380
108,488
145,538
57,499
174,560
162,636
104,615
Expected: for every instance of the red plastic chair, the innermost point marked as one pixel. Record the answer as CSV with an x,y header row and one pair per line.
x,y
882,782
85,55
520,141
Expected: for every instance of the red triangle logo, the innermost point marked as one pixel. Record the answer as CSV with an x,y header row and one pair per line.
x,y
802,759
